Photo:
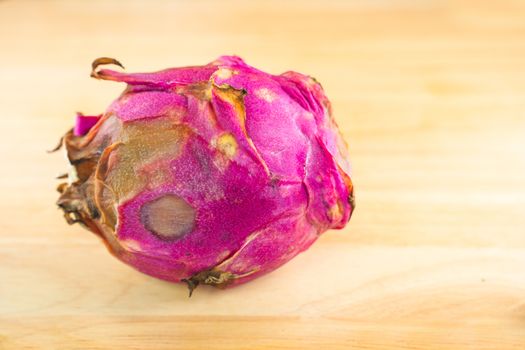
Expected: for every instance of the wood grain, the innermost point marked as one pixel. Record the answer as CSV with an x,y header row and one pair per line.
x,y
429,94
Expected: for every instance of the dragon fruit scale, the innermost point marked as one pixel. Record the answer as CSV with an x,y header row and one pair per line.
x,y
211,174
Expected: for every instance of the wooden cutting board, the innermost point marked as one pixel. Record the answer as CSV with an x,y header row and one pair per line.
x,y
429,94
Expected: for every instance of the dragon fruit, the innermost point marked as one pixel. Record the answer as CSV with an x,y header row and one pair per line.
x,y
213,174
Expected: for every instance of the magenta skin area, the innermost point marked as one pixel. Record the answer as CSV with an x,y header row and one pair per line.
x,y
286,183
84,123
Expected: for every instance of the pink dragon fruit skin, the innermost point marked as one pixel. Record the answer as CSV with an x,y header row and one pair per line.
x,y
212,174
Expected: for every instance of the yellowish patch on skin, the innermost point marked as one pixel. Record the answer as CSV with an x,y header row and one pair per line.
x,y
144,143
201,90
227,145
207,93
223,73
266,94
336,211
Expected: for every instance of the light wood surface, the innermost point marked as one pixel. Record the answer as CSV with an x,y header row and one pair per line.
x,y
429,94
